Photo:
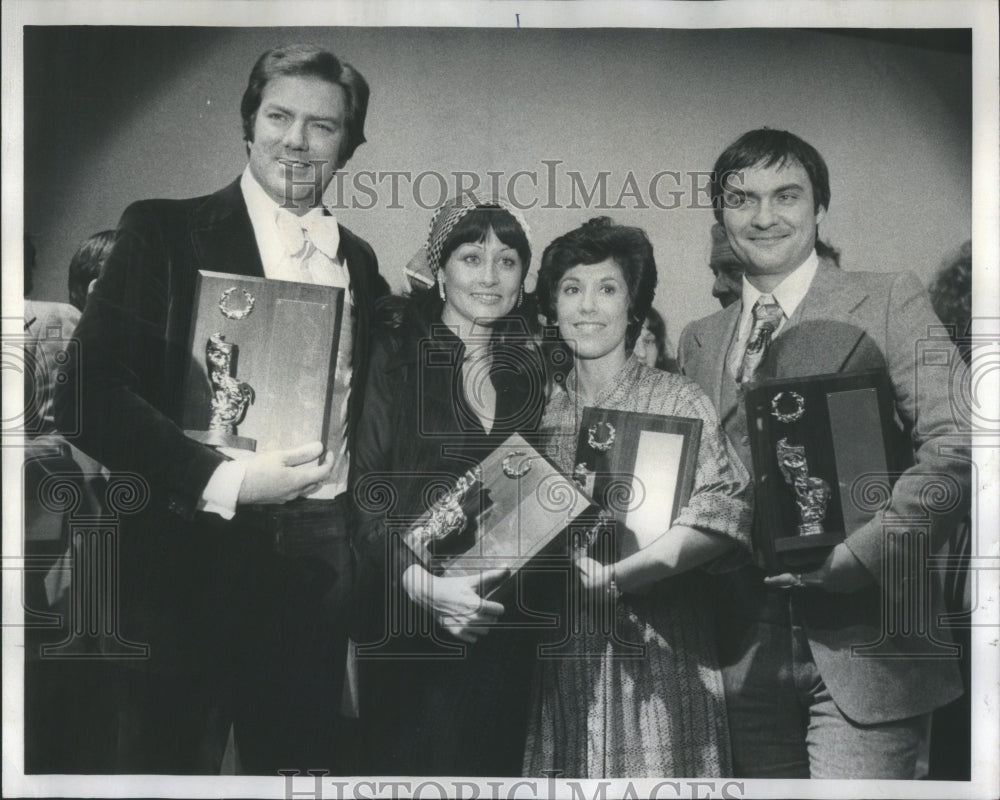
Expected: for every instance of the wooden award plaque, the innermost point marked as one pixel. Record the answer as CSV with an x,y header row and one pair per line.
x,y
817,442
638,467
263,354
500,514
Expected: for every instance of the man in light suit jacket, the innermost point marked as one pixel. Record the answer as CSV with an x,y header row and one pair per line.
x,y
238,630
806,697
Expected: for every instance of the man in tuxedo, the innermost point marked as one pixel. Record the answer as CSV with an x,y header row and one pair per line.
x,y
817,682
239,629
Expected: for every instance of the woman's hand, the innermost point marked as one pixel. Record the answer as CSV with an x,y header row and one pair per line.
x,y
456,602
595,576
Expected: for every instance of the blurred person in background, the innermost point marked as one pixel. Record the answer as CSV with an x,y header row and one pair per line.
x,y
951,727
68,704
651,346
87,265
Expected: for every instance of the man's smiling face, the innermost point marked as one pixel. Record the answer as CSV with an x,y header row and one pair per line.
x,y
298,133
770,218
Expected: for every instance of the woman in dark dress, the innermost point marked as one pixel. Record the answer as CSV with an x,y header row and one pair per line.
x,y
456,371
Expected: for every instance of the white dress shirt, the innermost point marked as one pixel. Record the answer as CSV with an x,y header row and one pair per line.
x,y
788,294
291,254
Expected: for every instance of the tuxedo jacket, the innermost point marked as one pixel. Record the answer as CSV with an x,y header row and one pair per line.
x,y
183,572
851,322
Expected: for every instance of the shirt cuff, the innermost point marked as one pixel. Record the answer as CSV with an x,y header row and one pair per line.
x,y
223,489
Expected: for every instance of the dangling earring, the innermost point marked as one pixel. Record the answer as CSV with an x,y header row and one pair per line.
x,y
441,287
520,296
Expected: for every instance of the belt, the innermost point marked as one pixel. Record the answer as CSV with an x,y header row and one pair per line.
x,y
297,526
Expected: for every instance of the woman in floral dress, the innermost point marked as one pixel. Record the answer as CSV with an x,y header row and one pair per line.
x,y
642,694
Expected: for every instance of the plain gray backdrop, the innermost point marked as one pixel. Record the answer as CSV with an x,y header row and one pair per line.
x,y
116,114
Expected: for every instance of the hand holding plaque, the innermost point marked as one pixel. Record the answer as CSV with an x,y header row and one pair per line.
x,y
277,476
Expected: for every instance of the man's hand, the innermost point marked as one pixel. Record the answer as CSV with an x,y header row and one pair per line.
x,y
841,572
456,602
282,475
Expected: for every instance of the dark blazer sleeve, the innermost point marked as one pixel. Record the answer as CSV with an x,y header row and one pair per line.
x,y
373,464
381,557
937,488
367,286
121,399
371,460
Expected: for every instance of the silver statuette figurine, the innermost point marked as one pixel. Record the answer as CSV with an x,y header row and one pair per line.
x,y
446,515
812,494
230,397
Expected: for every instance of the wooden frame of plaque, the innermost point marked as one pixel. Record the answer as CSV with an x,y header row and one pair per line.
x,y
506,511
271,349
836,430
640,468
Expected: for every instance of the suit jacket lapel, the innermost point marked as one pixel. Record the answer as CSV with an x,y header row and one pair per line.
x,y
357,266
713,345
222,234
823,327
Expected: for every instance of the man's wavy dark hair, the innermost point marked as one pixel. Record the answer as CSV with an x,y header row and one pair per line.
x,y
311,61
766,147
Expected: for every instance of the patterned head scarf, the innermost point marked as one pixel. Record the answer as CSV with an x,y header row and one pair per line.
x,y
451,213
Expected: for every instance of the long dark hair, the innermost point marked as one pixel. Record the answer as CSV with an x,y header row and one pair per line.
x,y
422,309
516,339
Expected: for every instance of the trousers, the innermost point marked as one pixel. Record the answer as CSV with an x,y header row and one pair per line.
x,y
286,710
783,723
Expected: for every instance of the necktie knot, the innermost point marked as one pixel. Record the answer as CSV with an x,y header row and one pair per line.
x,y
296,232
766,309
766,319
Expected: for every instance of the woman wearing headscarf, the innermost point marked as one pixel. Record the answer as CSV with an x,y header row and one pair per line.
x,y
640,695
455,371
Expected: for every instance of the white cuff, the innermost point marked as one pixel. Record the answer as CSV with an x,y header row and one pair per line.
x,y
223,489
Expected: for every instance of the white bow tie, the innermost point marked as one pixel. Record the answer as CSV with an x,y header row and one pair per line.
x,y
322,229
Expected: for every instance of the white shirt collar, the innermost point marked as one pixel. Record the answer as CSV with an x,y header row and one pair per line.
x,y
788,294
262,209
